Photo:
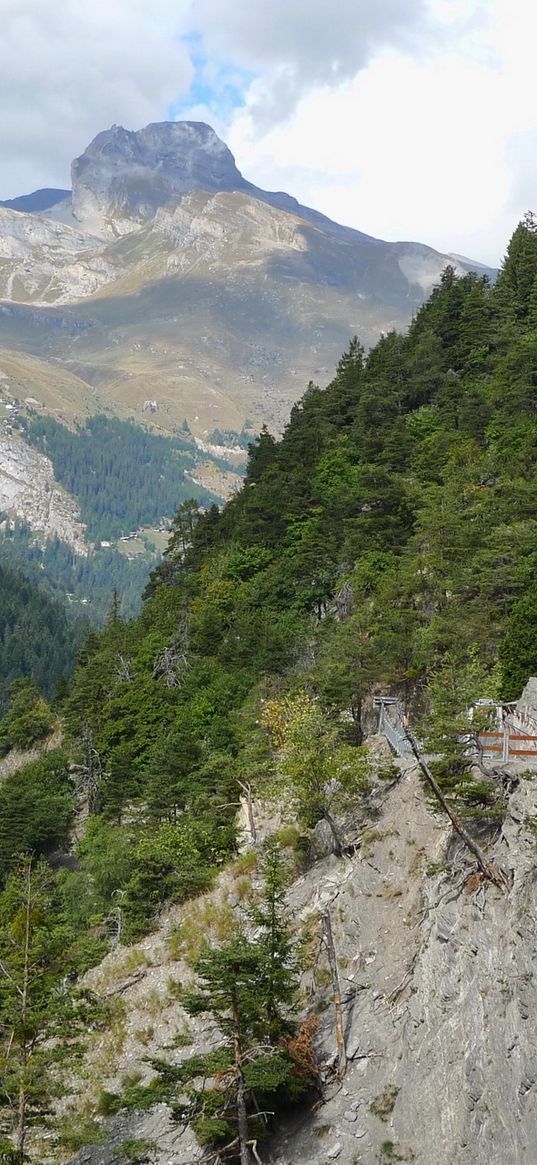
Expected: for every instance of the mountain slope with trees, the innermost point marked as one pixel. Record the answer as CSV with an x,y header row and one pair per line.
x,y
37,640
390,533
385,543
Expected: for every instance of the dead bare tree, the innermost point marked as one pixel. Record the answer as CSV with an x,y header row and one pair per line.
x,y
172,662
247,791
124,669
89,774
344,602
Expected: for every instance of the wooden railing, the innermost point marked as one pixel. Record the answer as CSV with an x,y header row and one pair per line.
x,y
509,743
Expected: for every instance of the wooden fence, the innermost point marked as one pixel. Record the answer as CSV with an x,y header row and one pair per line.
x,y
509,744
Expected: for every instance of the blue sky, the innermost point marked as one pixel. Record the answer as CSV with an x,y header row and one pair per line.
x,y
411,119
217,87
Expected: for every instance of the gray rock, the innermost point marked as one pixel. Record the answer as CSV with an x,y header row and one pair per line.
x,y
443,1064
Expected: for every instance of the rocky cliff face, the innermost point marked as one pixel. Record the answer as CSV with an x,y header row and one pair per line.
x,y
127,176
438,977
43,261
30,493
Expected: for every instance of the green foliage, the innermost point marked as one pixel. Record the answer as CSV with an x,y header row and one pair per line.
x,y
36,809
386,542
36,639
87,579
248,985
28,719
135,1151
389,531
518,651
122,476
448,730
315,771
40,1017
169,863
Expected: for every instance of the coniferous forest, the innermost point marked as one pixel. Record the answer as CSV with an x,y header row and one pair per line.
x,y
387,543
122,476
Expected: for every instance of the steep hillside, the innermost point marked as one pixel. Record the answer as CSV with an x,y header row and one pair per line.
x,y
85,510
37,639
335,973
30,494
438,987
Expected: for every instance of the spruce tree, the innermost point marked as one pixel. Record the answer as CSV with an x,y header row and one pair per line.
x,y
39,1017
249,987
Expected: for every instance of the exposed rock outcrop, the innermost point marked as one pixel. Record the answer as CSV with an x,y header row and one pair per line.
x,y
438,975
30,493
42,261
126,175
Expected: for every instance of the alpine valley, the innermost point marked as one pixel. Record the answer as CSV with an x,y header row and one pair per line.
x,y
268,849
166,290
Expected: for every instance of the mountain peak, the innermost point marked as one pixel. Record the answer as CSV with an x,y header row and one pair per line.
x,y
134,172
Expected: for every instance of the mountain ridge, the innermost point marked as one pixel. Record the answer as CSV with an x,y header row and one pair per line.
x,y
168,276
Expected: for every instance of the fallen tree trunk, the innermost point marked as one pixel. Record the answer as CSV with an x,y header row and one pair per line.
x,y
332,960
488,869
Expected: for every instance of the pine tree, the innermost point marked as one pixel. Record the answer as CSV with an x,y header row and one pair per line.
x,y
249,986
39,1018
518,650
277,983
516,280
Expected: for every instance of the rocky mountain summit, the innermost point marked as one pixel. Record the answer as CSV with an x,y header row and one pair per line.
x,y
166,275
124,175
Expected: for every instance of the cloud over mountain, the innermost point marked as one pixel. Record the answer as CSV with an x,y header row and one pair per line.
x,y
300,45
67,70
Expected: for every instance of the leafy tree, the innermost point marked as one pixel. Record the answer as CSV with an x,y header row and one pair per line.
x,y
28,719
171,863
518,650
36,809
452,727
318,774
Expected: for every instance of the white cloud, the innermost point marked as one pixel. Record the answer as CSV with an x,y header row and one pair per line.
x,y
404,118
297,45
439,149
71,69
